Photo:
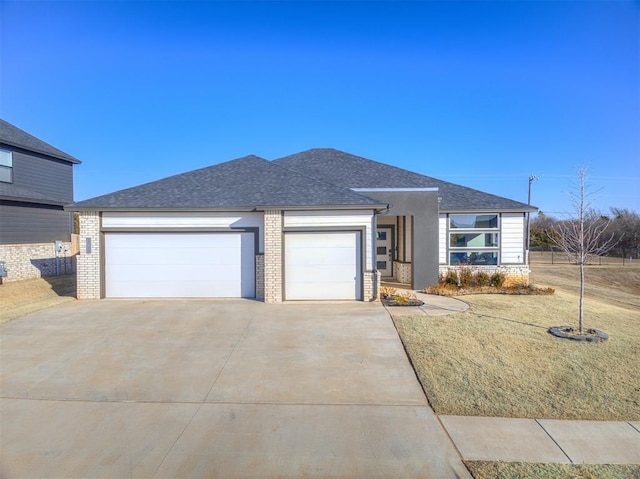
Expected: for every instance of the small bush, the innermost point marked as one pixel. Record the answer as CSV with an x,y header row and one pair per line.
x,y
465,277
497,279
482,279
387,292
451,277
401,298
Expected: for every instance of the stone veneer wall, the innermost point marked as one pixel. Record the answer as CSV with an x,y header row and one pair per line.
x,y
371,285
402,272
515,274
272,256
36,260
89,270
260,277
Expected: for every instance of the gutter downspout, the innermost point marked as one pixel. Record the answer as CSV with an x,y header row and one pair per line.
x,y
374,239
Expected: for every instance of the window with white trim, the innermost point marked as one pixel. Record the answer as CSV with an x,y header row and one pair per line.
x,y
474,239
6,166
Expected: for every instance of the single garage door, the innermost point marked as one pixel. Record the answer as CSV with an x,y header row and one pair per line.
x,y
179,265
323,265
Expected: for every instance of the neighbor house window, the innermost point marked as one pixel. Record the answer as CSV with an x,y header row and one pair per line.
x,y
6,166
474,239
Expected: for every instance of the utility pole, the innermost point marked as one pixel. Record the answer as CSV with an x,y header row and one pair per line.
x,y
532,178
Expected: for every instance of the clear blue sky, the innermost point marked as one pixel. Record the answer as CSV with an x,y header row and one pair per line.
x,y
478,93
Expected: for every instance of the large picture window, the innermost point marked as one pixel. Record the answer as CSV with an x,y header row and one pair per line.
x,y
6,166
474,239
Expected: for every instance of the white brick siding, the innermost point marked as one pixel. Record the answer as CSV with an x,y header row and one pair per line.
x,y
260,277
89,264
514,274
272,256
371,285
36,260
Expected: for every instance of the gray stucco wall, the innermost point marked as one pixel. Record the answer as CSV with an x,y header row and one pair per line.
x,y
423,206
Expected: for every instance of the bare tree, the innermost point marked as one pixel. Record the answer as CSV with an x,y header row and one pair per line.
x,y
584,236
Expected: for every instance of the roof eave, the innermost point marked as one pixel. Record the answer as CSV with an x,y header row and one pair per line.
x,y
68,158
525,209
36,201
79,207
377,206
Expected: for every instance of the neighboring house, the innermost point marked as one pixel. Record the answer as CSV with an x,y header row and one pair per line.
x,y
321,224
36,181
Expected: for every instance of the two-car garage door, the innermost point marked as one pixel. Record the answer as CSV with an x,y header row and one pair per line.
x,y
179,265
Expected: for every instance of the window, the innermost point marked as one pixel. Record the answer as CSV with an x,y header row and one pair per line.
x,y
474,221
474,239
6,166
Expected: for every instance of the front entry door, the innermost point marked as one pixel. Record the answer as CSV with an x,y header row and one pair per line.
x,y
384,251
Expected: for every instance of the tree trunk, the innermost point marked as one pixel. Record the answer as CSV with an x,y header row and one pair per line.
x,y
581,316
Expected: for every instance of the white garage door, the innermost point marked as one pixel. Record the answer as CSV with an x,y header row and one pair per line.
x,y
322,265
179,265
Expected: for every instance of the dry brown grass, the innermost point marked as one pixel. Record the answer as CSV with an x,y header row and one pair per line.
x,y
520,470
18,298
497,359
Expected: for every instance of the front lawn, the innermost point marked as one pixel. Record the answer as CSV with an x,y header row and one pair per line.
x,y
521,470
497,358
18,298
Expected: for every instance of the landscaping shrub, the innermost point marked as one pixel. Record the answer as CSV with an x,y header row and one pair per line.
x,y
451,277
401,298
465,277
387,292
497,279
470,281
482,279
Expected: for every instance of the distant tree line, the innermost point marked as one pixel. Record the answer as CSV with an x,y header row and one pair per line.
x,y
622,224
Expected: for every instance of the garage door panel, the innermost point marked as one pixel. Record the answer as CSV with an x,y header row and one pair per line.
x,y
323,255
323,273
158,273
333,291
168,289
323,265
180,264
158,256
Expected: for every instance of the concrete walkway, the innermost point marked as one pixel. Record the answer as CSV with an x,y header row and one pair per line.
x,y
434,305
544,440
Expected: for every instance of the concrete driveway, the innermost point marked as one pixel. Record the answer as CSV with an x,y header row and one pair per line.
x,y
205,389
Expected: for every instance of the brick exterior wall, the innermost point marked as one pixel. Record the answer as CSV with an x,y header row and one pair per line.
x,y
272,256
516,274
371,285
402,272
36,260
89,264
260,277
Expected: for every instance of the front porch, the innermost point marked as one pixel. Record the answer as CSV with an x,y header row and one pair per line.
x,y
394,249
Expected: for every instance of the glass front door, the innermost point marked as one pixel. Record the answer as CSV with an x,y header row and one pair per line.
x,y
384,251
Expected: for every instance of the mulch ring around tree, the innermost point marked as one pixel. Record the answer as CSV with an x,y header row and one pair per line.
x,y
589,335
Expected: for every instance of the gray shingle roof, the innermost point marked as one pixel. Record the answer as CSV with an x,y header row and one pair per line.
x,y
353,171
14,136
244,183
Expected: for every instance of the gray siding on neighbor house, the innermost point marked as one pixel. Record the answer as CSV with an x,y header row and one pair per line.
x,y
423,207
53,178
29,223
